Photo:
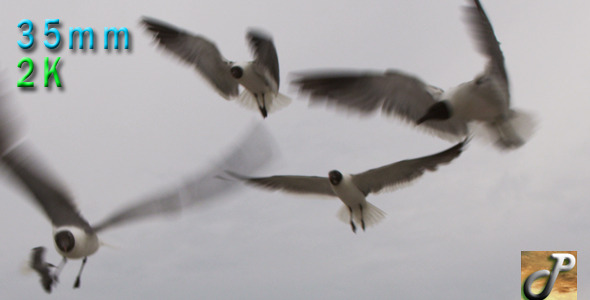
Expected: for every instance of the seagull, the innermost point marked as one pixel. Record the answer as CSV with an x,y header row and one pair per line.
x,y
260,77
38,264
484,100
352,189
73,235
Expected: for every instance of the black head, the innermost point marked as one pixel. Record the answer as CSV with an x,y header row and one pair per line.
x,y
65,241
237,72
335,177
438,111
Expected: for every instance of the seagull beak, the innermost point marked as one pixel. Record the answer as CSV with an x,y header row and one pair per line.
x,y
421,120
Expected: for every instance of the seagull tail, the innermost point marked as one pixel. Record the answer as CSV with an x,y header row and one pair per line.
x,y
272,102
277,102
371,214
512,132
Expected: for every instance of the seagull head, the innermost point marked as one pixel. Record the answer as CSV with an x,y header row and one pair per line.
x,y
237,72
335,177
438,111
64,240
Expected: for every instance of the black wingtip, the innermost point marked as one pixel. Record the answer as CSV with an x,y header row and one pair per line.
x,y
256,35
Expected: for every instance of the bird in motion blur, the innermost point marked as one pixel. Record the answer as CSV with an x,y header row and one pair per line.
x,y
352,189
485,99
73,235
43,268
260,77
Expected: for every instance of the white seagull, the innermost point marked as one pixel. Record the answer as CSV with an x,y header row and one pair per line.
x,y
260,77
486,98
74,237
353,189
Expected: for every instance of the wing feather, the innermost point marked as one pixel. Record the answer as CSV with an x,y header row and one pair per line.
x,y
255,150
198,51
45,187
265,54
290,183
405,171
393,93
485,38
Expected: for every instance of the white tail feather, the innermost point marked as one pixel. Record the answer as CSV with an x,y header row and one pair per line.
x,y
273,102
512,132
371,214
277,102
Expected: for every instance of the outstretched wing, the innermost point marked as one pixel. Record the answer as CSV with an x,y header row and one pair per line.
x,y
291,184
27,166
44,186
392,175
254,151
485,38
198,51
393,92
265,53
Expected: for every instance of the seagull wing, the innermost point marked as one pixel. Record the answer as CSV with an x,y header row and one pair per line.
x,y
291,184
254,151
198,51
44,186
405,171
265,54
393,92
487,43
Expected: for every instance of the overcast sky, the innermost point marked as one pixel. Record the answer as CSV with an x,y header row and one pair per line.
x,y
131,122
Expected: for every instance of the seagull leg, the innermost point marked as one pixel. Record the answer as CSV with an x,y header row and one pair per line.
x,y
351,221
77,283
264,112
362,217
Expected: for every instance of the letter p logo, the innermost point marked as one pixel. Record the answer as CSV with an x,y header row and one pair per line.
x,y
559,266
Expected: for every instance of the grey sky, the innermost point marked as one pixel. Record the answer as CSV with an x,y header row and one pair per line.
x,y
132,122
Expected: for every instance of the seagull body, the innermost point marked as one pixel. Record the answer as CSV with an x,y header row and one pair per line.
x,y
74,237
485,99
260,77
352,189
85,242
477,102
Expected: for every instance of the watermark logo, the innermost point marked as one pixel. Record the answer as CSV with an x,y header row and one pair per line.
x,y
540,271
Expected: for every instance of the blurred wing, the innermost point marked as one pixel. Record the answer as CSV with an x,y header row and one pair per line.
x,y
254,151
393,175
265,53
198,51
291,184
483,34
393,92
44,186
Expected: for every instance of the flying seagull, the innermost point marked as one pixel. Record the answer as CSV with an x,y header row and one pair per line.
x,y
260,77
43,268
73,235
353,189
485,99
